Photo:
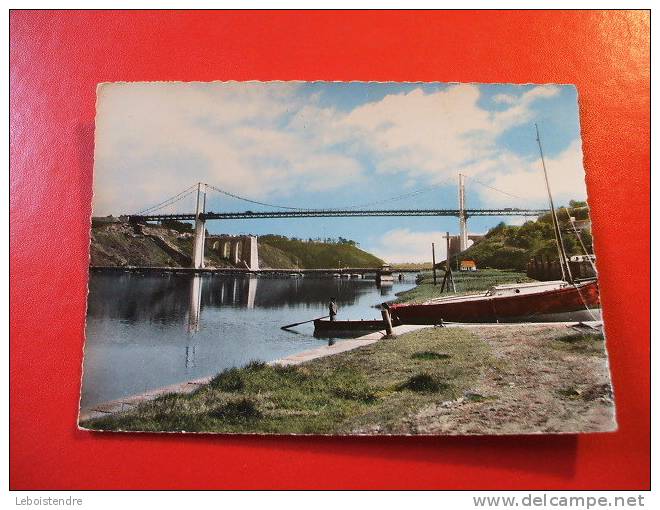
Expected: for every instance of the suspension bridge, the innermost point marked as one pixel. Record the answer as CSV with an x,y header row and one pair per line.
x,y
200,216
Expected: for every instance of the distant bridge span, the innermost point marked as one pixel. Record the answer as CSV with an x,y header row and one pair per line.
x,y
201,217
337,213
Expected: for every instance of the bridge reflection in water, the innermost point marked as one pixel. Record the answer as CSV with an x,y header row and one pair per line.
x,y
236,291
149,331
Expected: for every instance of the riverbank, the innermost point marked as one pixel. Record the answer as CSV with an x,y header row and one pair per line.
x,y
471,380
121,404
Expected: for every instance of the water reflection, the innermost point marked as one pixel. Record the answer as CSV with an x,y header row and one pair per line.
x,y
156,298
233,292
190,356
195,304
149,331
385,287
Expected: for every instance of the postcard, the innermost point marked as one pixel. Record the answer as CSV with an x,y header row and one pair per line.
x,y
342,258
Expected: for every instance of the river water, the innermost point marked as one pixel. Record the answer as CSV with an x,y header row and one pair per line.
x,y
149,331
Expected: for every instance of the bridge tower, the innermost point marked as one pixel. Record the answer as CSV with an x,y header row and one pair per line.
x,y
462,216
200,228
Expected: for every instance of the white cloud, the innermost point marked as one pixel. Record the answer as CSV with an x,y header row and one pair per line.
x,y
524,178
425,133
520,111
404,245
431,135
153,140
264,139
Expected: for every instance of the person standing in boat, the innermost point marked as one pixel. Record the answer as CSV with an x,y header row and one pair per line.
x,y
332,309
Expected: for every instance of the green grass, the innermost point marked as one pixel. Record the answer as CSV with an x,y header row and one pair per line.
x,y
243,410
581,343
376,385
270,256
415,266
430,355
425,383
466,283
230,381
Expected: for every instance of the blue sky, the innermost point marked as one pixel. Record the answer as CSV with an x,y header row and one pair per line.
x,y
328,144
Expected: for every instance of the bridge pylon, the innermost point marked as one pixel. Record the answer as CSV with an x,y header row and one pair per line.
x,y
200,228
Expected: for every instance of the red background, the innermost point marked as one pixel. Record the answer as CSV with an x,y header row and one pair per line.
x,y
57,58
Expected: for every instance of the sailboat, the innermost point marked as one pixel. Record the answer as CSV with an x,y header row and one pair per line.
x,y
552,300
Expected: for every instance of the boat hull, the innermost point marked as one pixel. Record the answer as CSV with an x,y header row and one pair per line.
x,y
529,306
322,327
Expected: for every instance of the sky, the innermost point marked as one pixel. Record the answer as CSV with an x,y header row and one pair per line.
x,y
334,145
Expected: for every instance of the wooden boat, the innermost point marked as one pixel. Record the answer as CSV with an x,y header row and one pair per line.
x,y
502,303
322,326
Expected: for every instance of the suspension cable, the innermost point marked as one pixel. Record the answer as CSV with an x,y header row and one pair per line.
x,y
352,206
496,189
238,197
398,197
169,203
394,198
172,199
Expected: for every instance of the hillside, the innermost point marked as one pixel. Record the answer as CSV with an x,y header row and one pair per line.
x,y
115,243
511,247
313,254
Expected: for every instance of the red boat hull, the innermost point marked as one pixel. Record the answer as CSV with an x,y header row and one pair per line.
x,y
500,308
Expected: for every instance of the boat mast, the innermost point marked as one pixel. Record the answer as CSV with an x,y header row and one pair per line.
x,y
563,261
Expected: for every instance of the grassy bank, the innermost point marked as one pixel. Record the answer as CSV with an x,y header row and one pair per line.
x,y
376,386
466,282
434,381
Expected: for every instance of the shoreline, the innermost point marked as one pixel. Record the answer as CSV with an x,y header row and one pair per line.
x,y
118,405
456,380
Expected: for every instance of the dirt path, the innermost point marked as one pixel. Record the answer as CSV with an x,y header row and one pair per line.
x,y
543,379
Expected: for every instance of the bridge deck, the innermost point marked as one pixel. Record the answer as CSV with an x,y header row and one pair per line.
x,y
334,213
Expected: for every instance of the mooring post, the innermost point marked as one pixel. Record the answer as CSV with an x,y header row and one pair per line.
x,y
448,260
435,278
449,273
388,321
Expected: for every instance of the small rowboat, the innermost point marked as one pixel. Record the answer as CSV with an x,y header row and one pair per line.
x,y
325,327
